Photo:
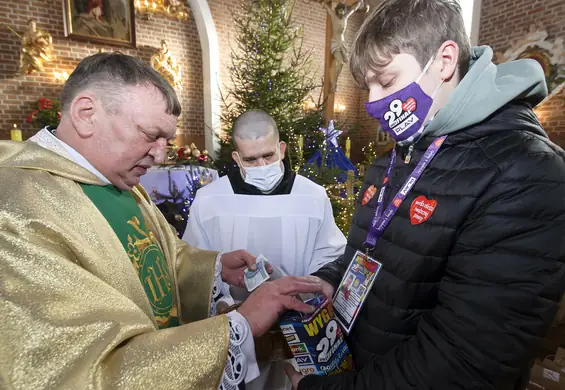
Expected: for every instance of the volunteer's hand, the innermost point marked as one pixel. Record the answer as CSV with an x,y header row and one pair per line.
x,y
293,375
263,307
233,264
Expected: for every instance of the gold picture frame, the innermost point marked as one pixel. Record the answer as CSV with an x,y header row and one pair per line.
x,y
100,21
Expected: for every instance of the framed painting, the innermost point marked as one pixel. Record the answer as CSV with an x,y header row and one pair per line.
x,y
102,21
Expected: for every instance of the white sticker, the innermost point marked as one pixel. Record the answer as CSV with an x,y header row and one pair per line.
x,y
308,370
287,329
551,375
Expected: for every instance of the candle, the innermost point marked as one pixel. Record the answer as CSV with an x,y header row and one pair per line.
x,y
16,134
348,147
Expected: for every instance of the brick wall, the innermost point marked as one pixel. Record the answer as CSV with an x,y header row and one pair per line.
x,y
503,21
18,93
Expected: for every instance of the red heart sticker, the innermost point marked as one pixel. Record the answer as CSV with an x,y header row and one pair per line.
x,y
368,195
409,105
421,210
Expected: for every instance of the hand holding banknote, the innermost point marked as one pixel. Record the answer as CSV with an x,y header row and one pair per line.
x,y
253,278
264,271
233,265
263,307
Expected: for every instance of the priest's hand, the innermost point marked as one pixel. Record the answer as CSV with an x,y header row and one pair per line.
x,y
263,307
233,265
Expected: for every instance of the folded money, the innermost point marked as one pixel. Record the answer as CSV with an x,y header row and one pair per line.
x,y
254,279
277,273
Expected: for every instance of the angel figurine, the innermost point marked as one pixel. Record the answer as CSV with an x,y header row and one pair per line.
x,y
164,63
37,48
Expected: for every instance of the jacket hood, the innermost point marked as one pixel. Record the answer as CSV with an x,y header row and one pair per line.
x,y
486,88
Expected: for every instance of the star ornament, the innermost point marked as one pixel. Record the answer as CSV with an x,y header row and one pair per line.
x,y
331,133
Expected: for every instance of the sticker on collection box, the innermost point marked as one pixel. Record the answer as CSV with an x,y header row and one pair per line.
x,y
292,339
304,360
323,349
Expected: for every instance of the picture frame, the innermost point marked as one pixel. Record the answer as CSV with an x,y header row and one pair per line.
x,y
100,21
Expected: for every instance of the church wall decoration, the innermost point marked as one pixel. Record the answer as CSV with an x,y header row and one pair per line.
x,y
101,21
166,64
549,53
36,47
172,8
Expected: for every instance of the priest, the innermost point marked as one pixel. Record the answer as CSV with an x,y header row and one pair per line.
x,y
265,208
96,290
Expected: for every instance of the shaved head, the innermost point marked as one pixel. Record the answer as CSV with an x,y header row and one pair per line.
x,y
253,125
256,140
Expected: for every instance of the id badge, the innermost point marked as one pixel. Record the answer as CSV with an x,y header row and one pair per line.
x,y
353,289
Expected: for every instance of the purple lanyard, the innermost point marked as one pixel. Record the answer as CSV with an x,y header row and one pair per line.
x,y
381,220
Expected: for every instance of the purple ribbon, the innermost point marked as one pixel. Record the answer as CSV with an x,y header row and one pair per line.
x,y
381,220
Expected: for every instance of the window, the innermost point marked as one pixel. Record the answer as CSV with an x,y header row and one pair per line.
x,y
471,17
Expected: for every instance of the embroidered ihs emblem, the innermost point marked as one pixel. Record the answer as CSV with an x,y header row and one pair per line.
x,y
148,260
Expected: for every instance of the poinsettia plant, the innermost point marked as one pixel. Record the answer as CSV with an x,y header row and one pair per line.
x,y
48,113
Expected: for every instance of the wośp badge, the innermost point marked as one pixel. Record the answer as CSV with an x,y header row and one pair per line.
x,y
353,289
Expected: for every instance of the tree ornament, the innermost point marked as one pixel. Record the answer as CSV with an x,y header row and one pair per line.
x,y
195,152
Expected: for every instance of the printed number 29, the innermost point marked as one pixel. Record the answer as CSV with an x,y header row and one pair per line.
x,y
327,342
395,108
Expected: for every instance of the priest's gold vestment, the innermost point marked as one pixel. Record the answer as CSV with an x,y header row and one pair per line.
x,y
74,313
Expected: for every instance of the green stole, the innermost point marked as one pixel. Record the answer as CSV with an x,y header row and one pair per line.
x,y
124,216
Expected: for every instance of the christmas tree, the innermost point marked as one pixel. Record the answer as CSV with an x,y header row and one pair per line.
x,y
331,168
270,70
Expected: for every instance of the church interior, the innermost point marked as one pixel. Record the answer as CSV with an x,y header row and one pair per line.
x,y
204,49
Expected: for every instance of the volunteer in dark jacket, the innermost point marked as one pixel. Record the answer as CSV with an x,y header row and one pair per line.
x,y
470,224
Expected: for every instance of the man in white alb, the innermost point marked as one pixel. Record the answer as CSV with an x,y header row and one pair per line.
x,y
265,208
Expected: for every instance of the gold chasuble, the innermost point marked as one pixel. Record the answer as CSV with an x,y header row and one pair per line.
x,y
88,276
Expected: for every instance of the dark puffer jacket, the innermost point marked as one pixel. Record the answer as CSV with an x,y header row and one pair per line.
x,y
462,299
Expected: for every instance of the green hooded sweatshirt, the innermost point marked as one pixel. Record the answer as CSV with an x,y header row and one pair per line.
x,y
486,88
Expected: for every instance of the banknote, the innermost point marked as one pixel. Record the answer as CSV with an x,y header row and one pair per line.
x,y
254,279
279,272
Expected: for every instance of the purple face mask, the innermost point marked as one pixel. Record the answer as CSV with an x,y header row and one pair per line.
x,y
402,113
